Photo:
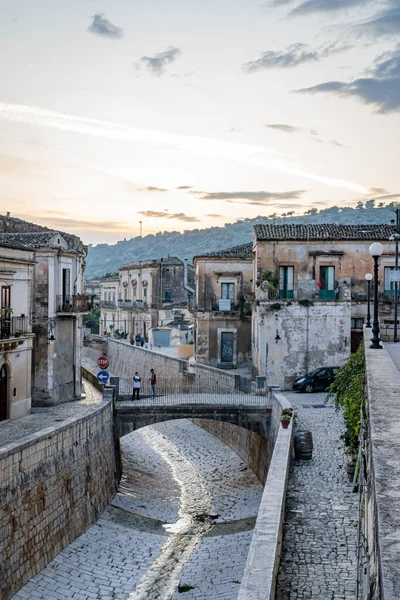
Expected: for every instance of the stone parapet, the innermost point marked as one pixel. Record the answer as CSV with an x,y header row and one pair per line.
x,y
262,566
382,503
53,485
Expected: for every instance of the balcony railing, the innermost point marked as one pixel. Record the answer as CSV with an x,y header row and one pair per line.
x,y
286,294
74,304
132,304
13,327
107,304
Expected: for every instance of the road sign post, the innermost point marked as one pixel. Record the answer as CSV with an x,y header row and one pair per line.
x,y
102,361
103,377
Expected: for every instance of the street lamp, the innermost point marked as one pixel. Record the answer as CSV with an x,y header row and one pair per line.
x,y
375,250
368,278
395,237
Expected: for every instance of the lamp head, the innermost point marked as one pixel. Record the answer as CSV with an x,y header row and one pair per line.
x,y
368,277
376,249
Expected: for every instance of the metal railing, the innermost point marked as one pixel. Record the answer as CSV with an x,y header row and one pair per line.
x,y
13,327
108,304
132,304
74,304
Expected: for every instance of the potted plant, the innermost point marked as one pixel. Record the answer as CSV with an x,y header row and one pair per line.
x,y
286,416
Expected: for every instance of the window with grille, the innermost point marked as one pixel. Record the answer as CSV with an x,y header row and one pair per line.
x,y
228,291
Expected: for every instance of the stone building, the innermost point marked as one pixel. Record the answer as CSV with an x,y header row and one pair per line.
x,y
92,288
58,304
16,284
131,302
223,314
310,294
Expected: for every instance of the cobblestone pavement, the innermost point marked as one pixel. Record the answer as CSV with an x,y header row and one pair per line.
x,y
174,473
41,418
318,560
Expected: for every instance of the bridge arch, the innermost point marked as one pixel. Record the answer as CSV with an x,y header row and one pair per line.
x,y
129,418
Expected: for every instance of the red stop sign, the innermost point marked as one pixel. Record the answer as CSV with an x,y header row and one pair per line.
x,y
102,361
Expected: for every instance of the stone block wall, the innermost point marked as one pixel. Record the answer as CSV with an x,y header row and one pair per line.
x,y
252,448
211,379
53,486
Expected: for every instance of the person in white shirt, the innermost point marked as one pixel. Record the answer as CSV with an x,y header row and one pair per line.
x,y
136,386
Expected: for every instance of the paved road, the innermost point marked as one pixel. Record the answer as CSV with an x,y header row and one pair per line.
x,y
318,560
183,517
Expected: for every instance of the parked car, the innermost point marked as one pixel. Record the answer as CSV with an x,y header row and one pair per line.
x,y
316,381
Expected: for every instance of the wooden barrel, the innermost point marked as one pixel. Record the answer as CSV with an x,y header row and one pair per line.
x,y
303,445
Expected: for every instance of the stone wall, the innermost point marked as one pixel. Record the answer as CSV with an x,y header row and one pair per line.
x,y
381,515
53,486
262,565
252,448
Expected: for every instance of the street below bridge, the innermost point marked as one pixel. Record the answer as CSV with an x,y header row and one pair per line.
x,y
182,521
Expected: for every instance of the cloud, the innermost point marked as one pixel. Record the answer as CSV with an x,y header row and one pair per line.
x,y
326,6
214,215
384,23
153,214
184,187
104,27
151,188
156,64
293,56
212,148
282,127
75,224
381,88
336,143
255,198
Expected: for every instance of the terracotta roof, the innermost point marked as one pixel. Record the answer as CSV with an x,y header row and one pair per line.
x,y
243,251
169,261
323,232
30,239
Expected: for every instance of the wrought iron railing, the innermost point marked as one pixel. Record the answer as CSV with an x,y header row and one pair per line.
x,y
108,304
286,294
13,327
74,304
132,304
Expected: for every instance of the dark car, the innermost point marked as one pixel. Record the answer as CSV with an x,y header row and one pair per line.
x,y
316,381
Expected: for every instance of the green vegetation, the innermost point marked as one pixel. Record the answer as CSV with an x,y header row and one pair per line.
x,y
185,587
347,392
199,241
92,321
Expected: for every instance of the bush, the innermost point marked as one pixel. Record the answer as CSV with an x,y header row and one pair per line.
x,y
347,392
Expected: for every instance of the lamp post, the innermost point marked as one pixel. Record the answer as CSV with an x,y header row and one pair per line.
x,y
368,278
395,237
375,250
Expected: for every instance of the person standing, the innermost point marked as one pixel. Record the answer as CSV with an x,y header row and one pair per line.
x,y
142,342
136,386
153,381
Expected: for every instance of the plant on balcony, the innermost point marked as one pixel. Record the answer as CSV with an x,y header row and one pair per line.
x,y
7,311
305,302
275,306
285,419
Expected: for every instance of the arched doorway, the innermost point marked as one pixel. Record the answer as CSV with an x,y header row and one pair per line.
x,y
3,393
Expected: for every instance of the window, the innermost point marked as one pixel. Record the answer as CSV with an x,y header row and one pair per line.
x,y
389,285
286,282
228,291
145,294
105,296
5,296
66,283
167,296
327,283
125,294
357,323
113,297
109,296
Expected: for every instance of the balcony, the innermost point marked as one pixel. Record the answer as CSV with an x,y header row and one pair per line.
x,y
13,331
132,304
74,304
108,304
286,294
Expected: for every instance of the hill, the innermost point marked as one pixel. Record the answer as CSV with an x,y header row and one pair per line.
x,y
105,258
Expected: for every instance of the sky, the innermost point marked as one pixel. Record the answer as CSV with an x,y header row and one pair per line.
x,y
185,115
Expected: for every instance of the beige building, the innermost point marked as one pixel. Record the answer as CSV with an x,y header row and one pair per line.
x,y
16,281
310,294
223,306
58,304
134,303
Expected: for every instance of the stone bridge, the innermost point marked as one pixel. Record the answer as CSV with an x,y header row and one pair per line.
x,y
249,413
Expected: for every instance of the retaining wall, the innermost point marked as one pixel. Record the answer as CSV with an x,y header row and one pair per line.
x,y
262,565
53,486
